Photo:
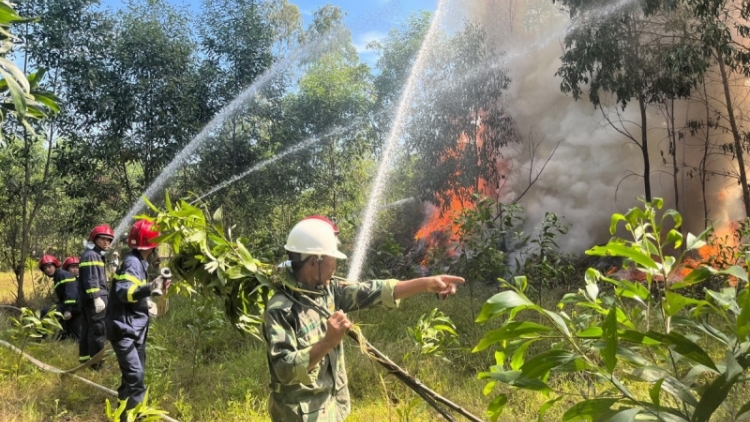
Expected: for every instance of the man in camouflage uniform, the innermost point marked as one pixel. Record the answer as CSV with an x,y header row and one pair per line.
x,y
304,350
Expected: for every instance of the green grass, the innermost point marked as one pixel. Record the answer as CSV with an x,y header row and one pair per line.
x,y
229,381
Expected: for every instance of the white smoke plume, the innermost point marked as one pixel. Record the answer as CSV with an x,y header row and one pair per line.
x,y
586,179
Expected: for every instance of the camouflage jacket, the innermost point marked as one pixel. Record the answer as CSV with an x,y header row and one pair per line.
x,y
291,329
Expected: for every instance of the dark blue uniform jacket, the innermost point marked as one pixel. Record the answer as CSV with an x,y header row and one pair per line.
x,y
127,314
92,274
66,290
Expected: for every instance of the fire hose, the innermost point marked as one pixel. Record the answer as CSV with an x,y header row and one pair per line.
x,y
70,372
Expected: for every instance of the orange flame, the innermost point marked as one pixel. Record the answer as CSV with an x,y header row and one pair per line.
x,y
440,221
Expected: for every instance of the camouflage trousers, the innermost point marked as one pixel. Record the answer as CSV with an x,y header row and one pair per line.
x,y
321,407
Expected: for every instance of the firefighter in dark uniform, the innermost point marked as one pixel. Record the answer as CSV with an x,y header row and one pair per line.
x,y
93,286
128,315
66,290
72,265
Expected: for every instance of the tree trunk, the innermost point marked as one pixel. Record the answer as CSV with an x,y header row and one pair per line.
x,y
673,150
735,135
644,149
704,160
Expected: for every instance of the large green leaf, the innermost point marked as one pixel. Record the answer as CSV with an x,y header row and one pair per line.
x,y
16,93
627,415
609,335
501,303
619,249
718,391
495,409
684,346
9,15
540,365
589,409
511,330
516,379
654,391
696,276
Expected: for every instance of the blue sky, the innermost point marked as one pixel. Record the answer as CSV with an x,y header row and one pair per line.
x,y
368,20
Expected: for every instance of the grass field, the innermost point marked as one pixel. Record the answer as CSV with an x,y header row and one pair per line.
x,y
223,375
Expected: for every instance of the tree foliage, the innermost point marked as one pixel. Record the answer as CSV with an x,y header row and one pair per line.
x,y
691,353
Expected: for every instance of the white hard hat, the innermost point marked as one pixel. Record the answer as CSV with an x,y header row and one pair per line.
x,y
313,237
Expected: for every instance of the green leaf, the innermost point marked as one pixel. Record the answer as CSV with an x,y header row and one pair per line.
x,y
17,74
8,15
676,217
521,282
618,249
627,415
518,358
558,321
678,390
616,218
674,237
696,276
489,387
16,93
501,303
590,332
516,379
743,300
637,337
546,406
676,302
609,335
717,392
495,409
541,364
510,330
684,346
592,290
654,391
589,409
631,290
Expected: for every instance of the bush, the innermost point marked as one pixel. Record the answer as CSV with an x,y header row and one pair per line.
x,y
619,336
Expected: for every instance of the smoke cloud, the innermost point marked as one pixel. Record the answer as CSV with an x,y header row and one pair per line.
x,y
593,172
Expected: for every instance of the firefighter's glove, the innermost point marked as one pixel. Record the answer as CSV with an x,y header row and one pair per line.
x,y
99,305
153,309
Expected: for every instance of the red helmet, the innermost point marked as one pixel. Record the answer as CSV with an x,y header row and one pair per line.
x,y
48,259
71,260
320,217
142,234
101,230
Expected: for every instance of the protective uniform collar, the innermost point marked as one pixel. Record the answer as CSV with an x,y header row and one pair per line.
x,y
285,271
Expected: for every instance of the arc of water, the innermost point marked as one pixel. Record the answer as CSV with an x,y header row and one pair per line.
x,y
381,178
232,109
302,145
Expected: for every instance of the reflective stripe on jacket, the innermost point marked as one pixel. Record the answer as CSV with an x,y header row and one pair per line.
x,y
66,289
127,314
92,275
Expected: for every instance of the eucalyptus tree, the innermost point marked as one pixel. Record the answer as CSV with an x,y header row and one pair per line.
x,y
458,123
632,51
722,28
